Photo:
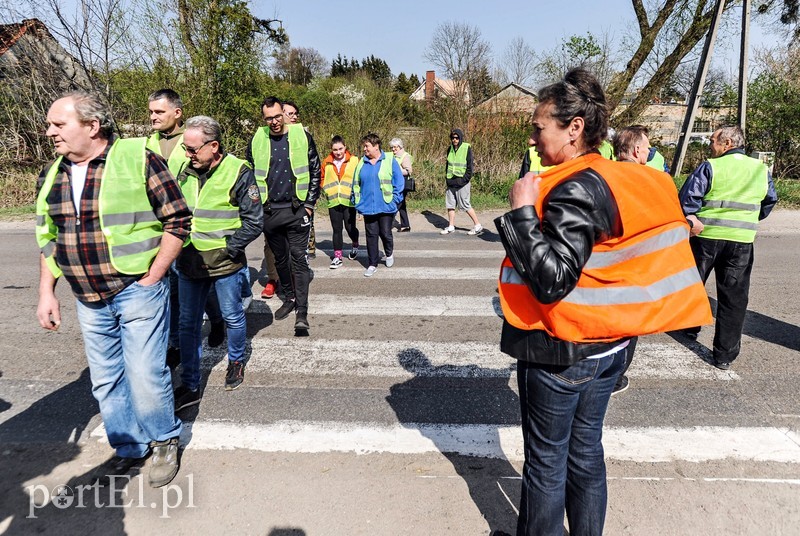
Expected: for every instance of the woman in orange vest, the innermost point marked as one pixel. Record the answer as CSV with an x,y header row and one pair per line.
x,y
592,261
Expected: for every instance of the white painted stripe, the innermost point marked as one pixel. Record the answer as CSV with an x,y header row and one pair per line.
x,y
354,270
647,445
486,253
778,481
351,357
395,306
406,359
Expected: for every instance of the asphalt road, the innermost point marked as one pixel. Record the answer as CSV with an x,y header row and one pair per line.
x,y
398,415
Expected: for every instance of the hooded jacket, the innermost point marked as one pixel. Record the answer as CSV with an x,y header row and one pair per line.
x,y
458,182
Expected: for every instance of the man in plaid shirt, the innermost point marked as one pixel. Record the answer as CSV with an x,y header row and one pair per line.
x,y
111,218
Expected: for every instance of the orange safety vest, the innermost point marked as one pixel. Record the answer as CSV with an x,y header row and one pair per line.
x,y
645,281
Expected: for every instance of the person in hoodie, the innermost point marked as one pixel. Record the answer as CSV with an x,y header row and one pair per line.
x,y
377,191
337,183
458,173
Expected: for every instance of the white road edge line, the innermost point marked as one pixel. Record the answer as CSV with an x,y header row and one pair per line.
x,y
653,444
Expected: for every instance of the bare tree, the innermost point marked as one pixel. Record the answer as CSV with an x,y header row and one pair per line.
x,y
676,26
460,51
518,63
299,65
98,33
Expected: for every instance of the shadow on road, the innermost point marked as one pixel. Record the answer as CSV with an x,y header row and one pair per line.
x,y
756,325
437,220
286,531
34,443
438,397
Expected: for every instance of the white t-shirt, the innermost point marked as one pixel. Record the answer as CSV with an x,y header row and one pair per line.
x,y
78,181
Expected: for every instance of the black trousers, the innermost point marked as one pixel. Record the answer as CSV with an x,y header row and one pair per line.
x,y
403,213
732,263
287,230
378,225
343,216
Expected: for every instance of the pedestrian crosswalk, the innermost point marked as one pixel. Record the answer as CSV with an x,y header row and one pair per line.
x,y
357,352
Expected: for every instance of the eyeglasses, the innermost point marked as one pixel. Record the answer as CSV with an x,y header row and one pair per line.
x,y
291,114
194,150
455,138
273,118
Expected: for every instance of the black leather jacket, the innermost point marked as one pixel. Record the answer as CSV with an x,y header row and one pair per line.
x,y
550,254
314,171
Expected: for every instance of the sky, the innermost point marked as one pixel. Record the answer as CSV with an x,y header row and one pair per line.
x,y
399,32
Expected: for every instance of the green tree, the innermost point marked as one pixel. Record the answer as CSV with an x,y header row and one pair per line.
x,y
220,39
772,110
378,70
404,85
481,86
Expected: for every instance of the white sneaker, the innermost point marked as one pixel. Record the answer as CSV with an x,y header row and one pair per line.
x,y
336,263
390,261
370,271
246,302
478,229
447,230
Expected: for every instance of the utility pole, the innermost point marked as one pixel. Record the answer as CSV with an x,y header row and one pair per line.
x,y
743,60
697,89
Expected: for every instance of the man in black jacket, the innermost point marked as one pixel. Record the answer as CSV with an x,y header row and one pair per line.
x,y
288,169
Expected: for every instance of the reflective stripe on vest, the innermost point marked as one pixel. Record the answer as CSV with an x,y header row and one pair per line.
x,y
384,176
131,229
732,205
643,282
214,218
457,161
298,158
177,160
536,162
338,189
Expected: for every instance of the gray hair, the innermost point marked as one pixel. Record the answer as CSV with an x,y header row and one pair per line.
x,y
91,106
732,133
396,142
208,126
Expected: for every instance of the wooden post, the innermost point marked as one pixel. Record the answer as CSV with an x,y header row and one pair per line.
x,y
743,64
697,89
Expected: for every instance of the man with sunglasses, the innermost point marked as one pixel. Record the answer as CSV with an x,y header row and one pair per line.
x,y
458,172
222,193
288,171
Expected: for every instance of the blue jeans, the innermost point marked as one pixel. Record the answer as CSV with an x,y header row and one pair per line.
x,y
194,293
212,303
562,425
126,339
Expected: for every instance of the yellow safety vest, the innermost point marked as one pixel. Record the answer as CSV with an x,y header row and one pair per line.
x,y
129,225
177,161
338,189
214,218
298,157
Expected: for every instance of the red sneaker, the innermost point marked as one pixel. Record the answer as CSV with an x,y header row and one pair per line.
x,y
269,290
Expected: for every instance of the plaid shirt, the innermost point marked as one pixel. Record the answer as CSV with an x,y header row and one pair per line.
x,y
81,249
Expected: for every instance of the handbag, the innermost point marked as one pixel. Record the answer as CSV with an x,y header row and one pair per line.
x,y
411,185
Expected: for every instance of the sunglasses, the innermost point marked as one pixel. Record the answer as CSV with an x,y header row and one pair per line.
x,y
194,150
455,138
